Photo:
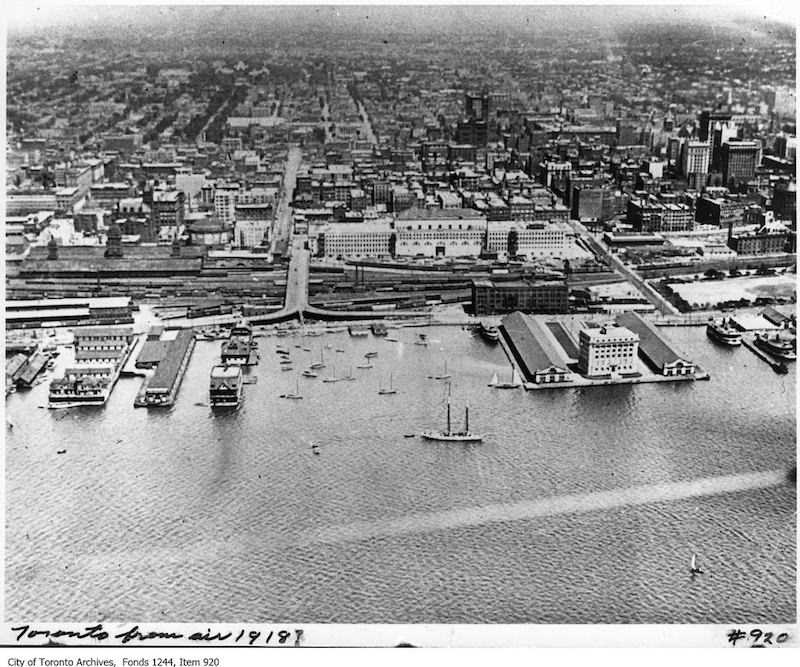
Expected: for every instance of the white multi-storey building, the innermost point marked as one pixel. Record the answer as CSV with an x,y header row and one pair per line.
x,y
608,350
440,233
346,239
533,239
696,157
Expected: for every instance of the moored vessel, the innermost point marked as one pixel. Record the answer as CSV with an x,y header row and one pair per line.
x,y
449,435
723,332
225,388
489,333
777,346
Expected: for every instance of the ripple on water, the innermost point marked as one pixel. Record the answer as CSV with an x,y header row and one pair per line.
x,y
185,515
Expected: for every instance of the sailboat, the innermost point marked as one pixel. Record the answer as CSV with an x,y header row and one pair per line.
x,y
309,374
449,435
321,362
390,390
443,376
296,395
694,569
331,378
514,383
349,375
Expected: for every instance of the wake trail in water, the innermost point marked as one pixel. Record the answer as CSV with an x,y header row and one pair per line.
x,y
529,509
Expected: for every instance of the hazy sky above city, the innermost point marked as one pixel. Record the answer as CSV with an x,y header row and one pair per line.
x,y
28,17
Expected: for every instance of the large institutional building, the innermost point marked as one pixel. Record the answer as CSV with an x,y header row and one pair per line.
x,y
607,350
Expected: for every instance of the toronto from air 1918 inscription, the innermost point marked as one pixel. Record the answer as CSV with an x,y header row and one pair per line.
x,y
433,314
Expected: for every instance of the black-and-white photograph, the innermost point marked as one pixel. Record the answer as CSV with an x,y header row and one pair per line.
x,y
380,315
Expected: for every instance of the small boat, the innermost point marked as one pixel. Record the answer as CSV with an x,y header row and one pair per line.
x,y
309,374
365,366
285,361
410,435
489,333
357,330
315,448
379,329
393,340
391,390
694,569
296,395
332,378
441,376
340,349
61,451
306,349
514,383
370,355
723,332
286,368
448,435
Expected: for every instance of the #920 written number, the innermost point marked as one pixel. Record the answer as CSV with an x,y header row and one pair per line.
x,y
756,638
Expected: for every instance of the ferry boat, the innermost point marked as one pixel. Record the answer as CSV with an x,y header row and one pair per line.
x,y
782,348
448,435
357,330
240,348
225,389
723,332
379,329
489,333
82,386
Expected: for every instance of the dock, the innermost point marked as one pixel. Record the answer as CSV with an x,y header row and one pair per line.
x,y
750,345
161,389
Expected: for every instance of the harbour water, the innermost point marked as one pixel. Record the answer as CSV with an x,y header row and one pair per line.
x,y
580,506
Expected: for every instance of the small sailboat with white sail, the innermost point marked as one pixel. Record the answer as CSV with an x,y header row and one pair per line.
x,y
694,569
514,382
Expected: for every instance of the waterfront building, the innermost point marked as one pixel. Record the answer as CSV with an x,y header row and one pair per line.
x,y
528,296
535,350
607,350
654,348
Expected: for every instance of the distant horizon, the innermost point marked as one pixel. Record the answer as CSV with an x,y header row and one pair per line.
x,y
24,18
